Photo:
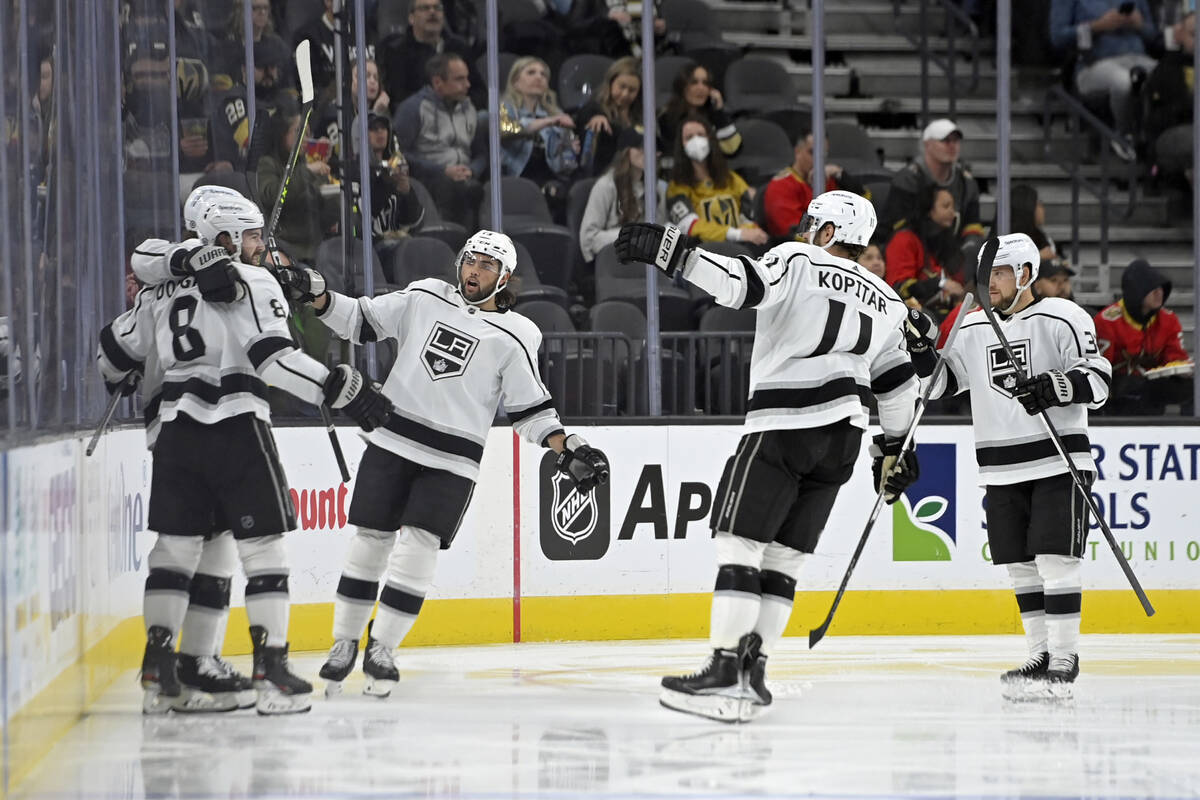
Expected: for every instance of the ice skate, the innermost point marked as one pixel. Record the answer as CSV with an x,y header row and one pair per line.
x,y
204,686
1061,675
160,682
338,665
280,691
754,676
714,691
246,696
1034,668
379,668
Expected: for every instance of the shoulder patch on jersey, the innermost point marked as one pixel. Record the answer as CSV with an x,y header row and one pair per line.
x,y
1113,312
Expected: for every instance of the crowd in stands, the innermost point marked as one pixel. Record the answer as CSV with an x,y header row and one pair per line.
x,y
571,126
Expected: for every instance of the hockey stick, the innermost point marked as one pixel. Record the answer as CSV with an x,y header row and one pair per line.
x,y
982,278
118,393
304,68
818,633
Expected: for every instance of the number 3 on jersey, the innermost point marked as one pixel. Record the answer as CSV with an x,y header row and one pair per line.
x,y
186,341
833,326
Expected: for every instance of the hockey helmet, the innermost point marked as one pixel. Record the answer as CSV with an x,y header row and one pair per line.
x,y
494,245
233,215
1017,250
852,215
200,198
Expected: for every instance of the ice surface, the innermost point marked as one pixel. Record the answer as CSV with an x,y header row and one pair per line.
x,y
879,717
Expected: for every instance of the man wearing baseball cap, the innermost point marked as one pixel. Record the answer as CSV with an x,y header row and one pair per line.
x,y
1054,279
938,165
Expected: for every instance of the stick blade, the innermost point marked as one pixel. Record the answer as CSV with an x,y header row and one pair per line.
x,y
304,69
983,273
818,633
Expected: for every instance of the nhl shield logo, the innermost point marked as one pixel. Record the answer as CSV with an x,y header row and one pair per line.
x,y
447,352
1004,377
574,525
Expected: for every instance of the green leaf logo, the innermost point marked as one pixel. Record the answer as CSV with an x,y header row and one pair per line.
x,y
913,537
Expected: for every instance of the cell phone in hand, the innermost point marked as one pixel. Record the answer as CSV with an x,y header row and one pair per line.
x,y
1126,8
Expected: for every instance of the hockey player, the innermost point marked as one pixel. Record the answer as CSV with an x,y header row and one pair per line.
x,y
461,352
1037,518
215,464
828,337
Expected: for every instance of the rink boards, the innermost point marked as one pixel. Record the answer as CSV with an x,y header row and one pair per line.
x,y
534,560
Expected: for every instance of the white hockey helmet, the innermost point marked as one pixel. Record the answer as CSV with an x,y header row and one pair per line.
x,y
200,198
852,215
1016,250
494,245
233,215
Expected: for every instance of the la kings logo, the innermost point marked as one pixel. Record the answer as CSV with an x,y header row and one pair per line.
x,y
1004,377
574,525
447,352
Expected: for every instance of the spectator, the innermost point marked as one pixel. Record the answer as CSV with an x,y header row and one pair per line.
x,y
628,14
1139,335
377,102
617,107
1054,279
568,27
787,195
617,197
403,55
692,93
1168,94
305,219
706,198
872,259
230,121
1111,36
538,139
437,131
938,166
320,33
395,208
923,258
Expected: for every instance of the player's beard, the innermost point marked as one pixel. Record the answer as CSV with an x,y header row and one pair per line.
x,y
1004,301
479,291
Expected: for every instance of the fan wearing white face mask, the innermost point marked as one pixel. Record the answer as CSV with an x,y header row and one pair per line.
x,y
706,199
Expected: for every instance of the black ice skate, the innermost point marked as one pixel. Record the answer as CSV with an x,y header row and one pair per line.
x,y
380,669
714,691
337,666
1034,669
1063,669
205,686
246,696
280,691
160,682
754,675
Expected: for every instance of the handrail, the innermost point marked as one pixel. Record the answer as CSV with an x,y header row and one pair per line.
x,y
952,16
1078,116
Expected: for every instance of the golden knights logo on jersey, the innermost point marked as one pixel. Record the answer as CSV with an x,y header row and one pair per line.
x,y
1004,377
447,352
574,524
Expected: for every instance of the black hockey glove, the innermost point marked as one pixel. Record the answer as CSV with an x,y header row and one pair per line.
x,y
1049,389
586,466
301,284
216,276
920,331
126,386
892,473
348,390
652,244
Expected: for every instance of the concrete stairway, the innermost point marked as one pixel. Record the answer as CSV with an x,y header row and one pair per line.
x,y
867,50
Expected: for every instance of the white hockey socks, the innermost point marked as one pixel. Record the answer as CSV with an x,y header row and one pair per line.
x,y
409,576
172,562
203,630
780,566
265,565
1064,600
737,594
358,588
1031,601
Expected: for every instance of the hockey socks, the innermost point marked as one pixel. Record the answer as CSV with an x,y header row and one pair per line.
x,y
409,576
358,588
207,612
263,560
1064,599
780,567
737,598
1031,601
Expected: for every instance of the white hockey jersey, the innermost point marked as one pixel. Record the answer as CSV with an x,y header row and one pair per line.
x,y
828,336
211,357
1012,446
455,365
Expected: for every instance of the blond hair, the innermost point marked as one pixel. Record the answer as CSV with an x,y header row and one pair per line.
x,y
549,100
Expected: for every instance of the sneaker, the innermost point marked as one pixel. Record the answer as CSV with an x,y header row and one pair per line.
x,y
246,696
1033,669
1063,669
205,686
280,691
380,668
713,691
160,680
338,665
754,669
